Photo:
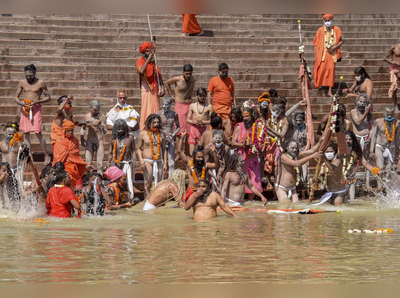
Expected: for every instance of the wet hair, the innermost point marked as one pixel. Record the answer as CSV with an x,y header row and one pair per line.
x,y
199,149
273,92
334,146
12,124
149,120
117,124
59,166
60,176
201,90
223,66
61,99
238,114
30,67
209,189
187,67
45,171
216,121
232,165
299,114
218,132
95,103
356,145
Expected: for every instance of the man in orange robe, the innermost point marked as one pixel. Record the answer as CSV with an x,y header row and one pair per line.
x,y
222,92
66,150
149,89
63,112
191,26
327,42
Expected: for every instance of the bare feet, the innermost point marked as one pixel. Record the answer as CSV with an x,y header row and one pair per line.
x,y
330,94
47,160
183,34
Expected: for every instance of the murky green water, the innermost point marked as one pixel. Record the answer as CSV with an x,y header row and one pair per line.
x,y
166,246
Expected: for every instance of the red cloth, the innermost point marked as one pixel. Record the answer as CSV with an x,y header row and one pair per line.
x,y
189,192
150,74
190,24
327,15
144,46
222,99
196,131
67,151
58,201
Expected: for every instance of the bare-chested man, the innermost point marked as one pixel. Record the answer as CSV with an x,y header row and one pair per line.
x,y
362,84
234,182
152,152
300,135
31,107
362,120
196,167
205,202
216,124
173,188
348,126
199,117
385,141
121,152
9,189
393,58
182,94
289,169
10,146
171,127
95,126
63,112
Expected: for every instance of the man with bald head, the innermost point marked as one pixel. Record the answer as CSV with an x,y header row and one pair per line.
x,y
95,126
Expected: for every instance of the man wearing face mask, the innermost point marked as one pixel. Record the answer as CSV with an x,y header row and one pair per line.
x,y
63,112
362,125
11,144
288,174
124,111
95,125
385,141
66,150
221,92
362,84
327,42
171,127
150,89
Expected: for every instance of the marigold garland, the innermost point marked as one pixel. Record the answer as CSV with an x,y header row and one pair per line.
x,y
115,153
157,156
258,138
344,170
261,98
390,139
297,171
15,139
330,44
278,128
28,103
203,172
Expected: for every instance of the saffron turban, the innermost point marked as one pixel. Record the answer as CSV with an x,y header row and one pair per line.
x,y
68,125
144,46
327,16
113,173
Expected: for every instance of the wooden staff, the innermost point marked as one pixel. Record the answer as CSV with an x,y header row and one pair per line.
x,y
153,39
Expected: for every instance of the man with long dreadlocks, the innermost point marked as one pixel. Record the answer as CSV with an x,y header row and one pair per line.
x,y
173,188
121,152
10,146
152,152
205,202
9,189
235,180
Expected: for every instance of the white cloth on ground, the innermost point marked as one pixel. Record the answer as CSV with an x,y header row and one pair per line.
x,y
289,191
328,195
148,206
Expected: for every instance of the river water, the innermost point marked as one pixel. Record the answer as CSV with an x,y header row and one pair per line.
x,y
167,246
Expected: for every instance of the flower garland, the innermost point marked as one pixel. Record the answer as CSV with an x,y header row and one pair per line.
x,y
28,103
257,135
157,156
390,139
344,170
297,171
115,153
334,118
330,44
325,175
278,128
203,172
15,139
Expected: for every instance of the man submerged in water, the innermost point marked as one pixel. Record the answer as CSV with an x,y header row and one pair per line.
x,y
9,190
205,202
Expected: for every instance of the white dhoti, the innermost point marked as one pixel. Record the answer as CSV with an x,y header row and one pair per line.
x,y
148,206
157,164
230,202
329,195
363,141
214,181
387,151
289,191
129,177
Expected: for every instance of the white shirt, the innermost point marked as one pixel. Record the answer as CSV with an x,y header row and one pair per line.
x,y
127,113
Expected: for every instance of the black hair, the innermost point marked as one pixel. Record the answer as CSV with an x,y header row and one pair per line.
x,y
209,189
187,67
12,124
61,99
92,174
45,171
356,145
301,114
30,67
201,90
361,71
149,120
216,122
287,143
60,176
273,92
223,66
334,146
281,107
232,165
59,166
238,114
199,149
342,110
117,124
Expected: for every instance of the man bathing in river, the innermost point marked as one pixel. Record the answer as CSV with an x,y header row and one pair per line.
x,y
10,146
205,202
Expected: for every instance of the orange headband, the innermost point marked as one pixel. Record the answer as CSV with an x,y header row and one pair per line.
x,y
261,98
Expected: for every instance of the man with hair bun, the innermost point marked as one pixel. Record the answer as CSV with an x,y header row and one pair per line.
x,y
10,146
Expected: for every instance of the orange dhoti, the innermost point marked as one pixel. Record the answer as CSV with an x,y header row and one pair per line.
x,y
190,24
150,105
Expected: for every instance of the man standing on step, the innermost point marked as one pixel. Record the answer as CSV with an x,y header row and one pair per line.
x,y
221,92
327,42
184,85
31,107
63,112
393,58
191,26
150,82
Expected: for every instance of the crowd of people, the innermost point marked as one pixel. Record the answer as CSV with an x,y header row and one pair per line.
x,y
231,153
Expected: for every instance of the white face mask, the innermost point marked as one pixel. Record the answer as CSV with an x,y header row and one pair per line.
x,y
328,24
275,114
330,155
358,78
218,144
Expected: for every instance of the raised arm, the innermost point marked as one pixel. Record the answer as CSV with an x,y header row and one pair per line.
x,y
297,163
216,164
292,109
358,120
144,66
332,165
192,199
